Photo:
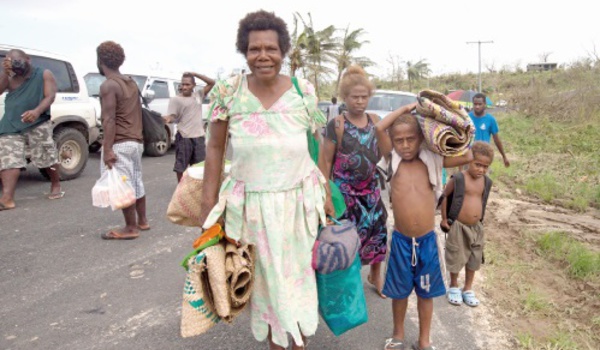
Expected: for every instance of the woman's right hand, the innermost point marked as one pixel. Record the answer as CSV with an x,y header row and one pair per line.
x,y
329,209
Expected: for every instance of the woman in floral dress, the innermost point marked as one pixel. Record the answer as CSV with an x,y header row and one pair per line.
x,y
352,166
274,196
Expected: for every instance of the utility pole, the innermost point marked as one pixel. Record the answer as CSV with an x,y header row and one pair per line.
x,y
479,44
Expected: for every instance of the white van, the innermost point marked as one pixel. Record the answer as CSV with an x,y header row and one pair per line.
x,y
384,101
72,113
156,91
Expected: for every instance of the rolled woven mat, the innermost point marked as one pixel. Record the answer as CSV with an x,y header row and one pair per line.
x,y
446,126
239,270
214,280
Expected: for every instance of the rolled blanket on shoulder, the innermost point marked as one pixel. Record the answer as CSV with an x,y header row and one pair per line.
x,y
446,126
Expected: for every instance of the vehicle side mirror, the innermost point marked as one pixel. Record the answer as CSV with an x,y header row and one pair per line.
x,y
149,95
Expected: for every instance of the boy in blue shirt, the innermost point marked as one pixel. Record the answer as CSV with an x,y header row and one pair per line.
x,y
486,126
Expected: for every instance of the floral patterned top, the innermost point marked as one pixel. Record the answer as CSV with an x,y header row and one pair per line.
x,y
273,198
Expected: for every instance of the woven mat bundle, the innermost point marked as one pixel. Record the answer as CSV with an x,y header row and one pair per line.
x,y
446,126
218,286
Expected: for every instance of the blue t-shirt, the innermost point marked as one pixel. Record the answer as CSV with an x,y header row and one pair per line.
x,y
485,126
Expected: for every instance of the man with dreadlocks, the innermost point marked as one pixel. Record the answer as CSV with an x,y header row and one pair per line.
x,y
123,141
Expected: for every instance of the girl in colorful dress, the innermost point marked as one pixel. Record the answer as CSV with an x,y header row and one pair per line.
x,y
351,161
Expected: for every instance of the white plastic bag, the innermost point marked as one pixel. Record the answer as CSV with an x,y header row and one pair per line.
x,y
100,197
120,194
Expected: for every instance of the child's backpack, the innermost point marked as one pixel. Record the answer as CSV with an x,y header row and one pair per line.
x,y
456,198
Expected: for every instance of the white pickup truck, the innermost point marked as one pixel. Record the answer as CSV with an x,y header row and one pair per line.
x,y
157,90
72,113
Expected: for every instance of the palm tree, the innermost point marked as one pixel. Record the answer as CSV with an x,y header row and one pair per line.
x,y
350,43
318,49
295,56
416,71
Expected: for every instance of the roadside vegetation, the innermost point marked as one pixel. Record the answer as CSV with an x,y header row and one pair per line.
x,y
545,286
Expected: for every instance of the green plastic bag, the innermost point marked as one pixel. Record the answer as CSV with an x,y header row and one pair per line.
x,y
313,148
342,302
336,195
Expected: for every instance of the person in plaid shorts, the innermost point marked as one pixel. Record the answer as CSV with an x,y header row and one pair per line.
x,y
123,141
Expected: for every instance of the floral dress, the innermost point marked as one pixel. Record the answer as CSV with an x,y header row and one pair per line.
x,y
273,198
355,173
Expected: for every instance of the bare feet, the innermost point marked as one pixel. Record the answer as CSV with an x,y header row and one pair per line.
x,y
120,234
377,283
7,206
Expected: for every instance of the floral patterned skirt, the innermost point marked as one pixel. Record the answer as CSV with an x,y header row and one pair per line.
x,y
370,217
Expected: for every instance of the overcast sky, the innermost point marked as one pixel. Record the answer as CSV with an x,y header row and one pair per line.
x,y
175,36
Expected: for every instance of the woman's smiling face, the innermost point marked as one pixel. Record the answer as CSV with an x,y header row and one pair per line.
x,y
264,56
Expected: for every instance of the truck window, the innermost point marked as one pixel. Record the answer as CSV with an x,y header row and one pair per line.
x,y
66,81
160,88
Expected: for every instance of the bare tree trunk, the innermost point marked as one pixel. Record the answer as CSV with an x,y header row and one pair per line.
x,y
316,85
337,83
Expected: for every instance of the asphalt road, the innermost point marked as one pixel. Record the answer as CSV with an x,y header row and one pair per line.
x,y
62,287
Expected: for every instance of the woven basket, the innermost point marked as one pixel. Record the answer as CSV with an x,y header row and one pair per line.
x,y
197,314
184,207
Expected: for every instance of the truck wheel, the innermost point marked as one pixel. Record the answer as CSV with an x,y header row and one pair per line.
x,y
72,153
158,149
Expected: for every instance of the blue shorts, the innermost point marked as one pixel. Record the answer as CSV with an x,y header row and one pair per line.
x,y
414,263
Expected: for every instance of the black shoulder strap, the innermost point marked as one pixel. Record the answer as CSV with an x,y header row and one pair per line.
x,y
340,125
486,194
458,195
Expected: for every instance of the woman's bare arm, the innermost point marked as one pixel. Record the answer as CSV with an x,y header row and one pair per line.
x,y
215,151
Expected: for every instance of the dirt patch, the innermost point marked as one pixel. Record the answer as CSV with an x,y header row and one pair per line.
x,y
533,296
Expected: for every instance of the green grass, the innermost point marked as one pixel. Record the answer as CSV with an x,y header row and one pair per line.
x,y
535,302
561,341
596,321
544,186
525,341
551,160
581,262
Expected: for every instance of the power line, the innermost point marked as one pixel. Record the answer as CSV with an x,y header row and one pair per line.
x,y
479,47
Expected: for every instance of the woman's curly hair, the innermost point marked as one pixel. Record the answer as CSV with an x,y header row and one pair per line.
x,y
353,76
262,20
111,54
